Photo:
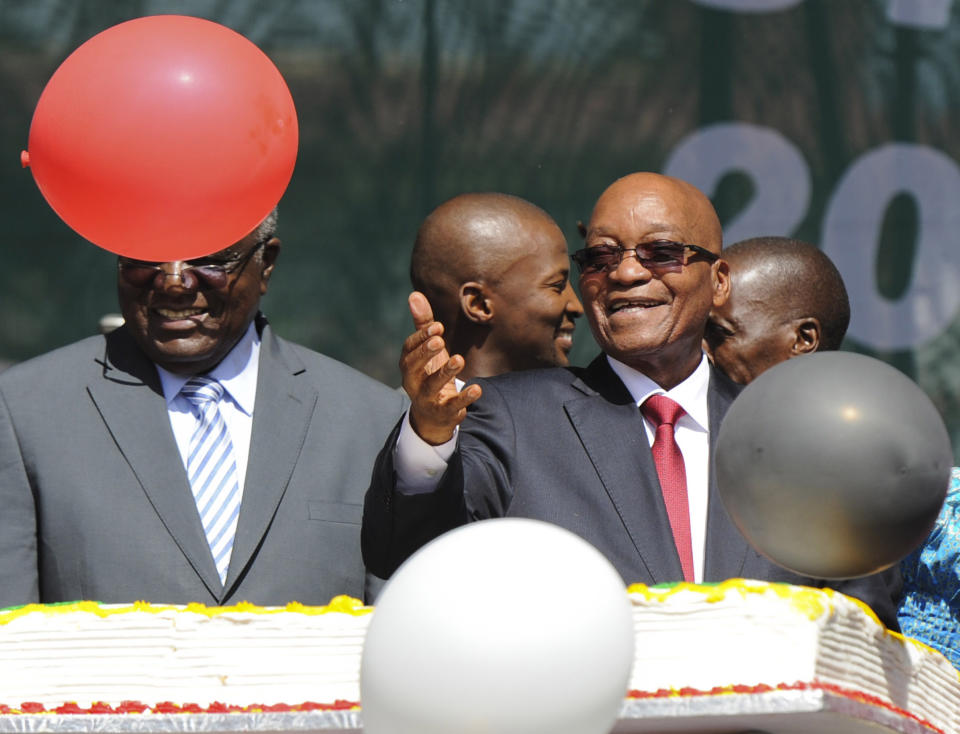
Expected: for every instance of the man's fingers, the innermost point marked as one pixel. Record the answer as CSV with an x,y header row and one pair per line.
x,y
421,340
438,408
426,356
436,364
469,395
441,384
439,371
423,322
444,410
457,404
420,310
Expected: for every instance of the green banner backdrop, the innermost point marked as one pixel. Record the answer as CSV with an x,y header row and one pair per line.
x,y
835,121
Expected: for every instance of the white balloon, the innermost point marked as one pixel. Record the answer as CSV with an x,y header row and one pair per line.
x,y
506,626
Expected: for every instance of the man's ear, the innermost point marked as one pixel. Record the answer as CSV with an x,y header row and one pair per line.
x,y
806,332
720,272
475,302
269,255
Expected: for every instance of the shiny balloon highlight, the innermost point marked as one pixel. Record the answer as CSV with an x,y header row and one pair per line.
x,y
164,138
833,465
511,626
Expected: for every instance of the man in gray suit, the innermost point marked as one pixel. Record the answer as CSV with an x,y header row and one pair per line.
x,y
105,482
572,446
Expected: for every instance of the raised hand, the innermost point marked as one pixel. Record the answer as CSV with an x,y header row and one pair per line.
x,y
436,407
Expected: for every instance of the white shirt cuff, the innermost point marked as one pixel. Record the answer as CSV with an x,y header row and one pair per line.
x,y
418,464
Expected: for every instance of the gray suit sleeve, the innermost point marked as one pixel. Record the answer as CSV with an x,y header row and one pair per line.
x,y
19,578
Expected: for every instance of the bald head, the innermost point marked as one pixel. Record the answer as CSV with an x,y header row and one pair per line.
x,y
495,270
680,205
471,237
786,298
798,277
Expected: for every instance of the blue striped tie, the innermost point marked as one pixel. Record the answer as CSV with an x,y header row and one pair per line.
x,y
212,470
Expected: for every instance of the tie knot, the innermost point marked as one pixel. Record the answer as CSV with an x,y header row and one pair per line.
x,y
202,390
661,410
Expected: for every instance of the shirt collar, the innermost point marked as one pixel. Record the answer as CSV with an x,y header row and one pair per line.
x,y
237,372
691,394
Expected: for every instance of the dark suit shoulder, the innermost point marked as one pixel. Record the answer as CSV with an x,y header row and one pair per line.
x,y
546,378
596,380
723,385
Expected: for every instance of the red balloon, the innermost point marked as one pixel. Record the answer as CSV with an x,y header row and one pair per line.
x,y
164,138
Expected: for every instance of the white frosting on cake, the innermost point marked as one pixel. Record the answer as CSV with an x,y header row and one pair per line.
x,y
748,633
242,655
739,633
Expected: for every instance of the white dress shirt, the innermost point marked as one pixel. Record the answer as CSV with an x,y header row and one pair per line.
x,y
419,465
238,375
692,432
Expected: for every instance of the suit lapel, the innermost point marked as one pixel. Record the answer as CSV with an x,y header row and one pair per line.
x,y
130,401
282,400
726,548
611,429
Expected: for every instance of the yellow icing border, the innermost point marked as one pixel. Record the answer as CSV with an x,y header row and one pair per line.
x,y
806,600
339,604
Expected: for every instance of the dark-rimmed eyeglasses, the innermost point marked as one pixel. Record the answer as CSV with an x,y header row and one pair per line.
x,y
657,255
211,271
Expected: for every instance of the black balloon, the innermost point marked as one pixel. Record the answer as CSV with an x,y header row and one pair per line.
x,y
833,465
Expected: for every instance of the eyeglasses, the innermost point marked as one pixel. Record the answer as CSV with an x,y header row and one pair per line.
x,y
657,255
211,271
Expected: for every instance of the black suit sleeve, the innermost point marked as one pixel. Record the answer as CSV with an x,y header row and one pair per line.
x,y
475,486
396,525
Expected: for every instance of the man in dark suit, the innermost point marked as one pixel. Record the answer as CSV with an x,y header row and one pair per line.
x,y
106,478
573,446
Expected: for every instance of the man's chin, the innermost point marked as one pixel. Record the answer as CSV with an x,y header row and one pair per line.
x,y
181,356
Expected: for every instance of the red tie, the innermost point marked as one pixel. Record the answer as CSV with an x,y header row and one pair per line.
x,y
663,413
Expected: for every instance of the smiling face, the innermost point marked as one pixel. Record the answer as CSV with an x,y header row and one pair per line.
x,y
653,320
187,324
534,302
